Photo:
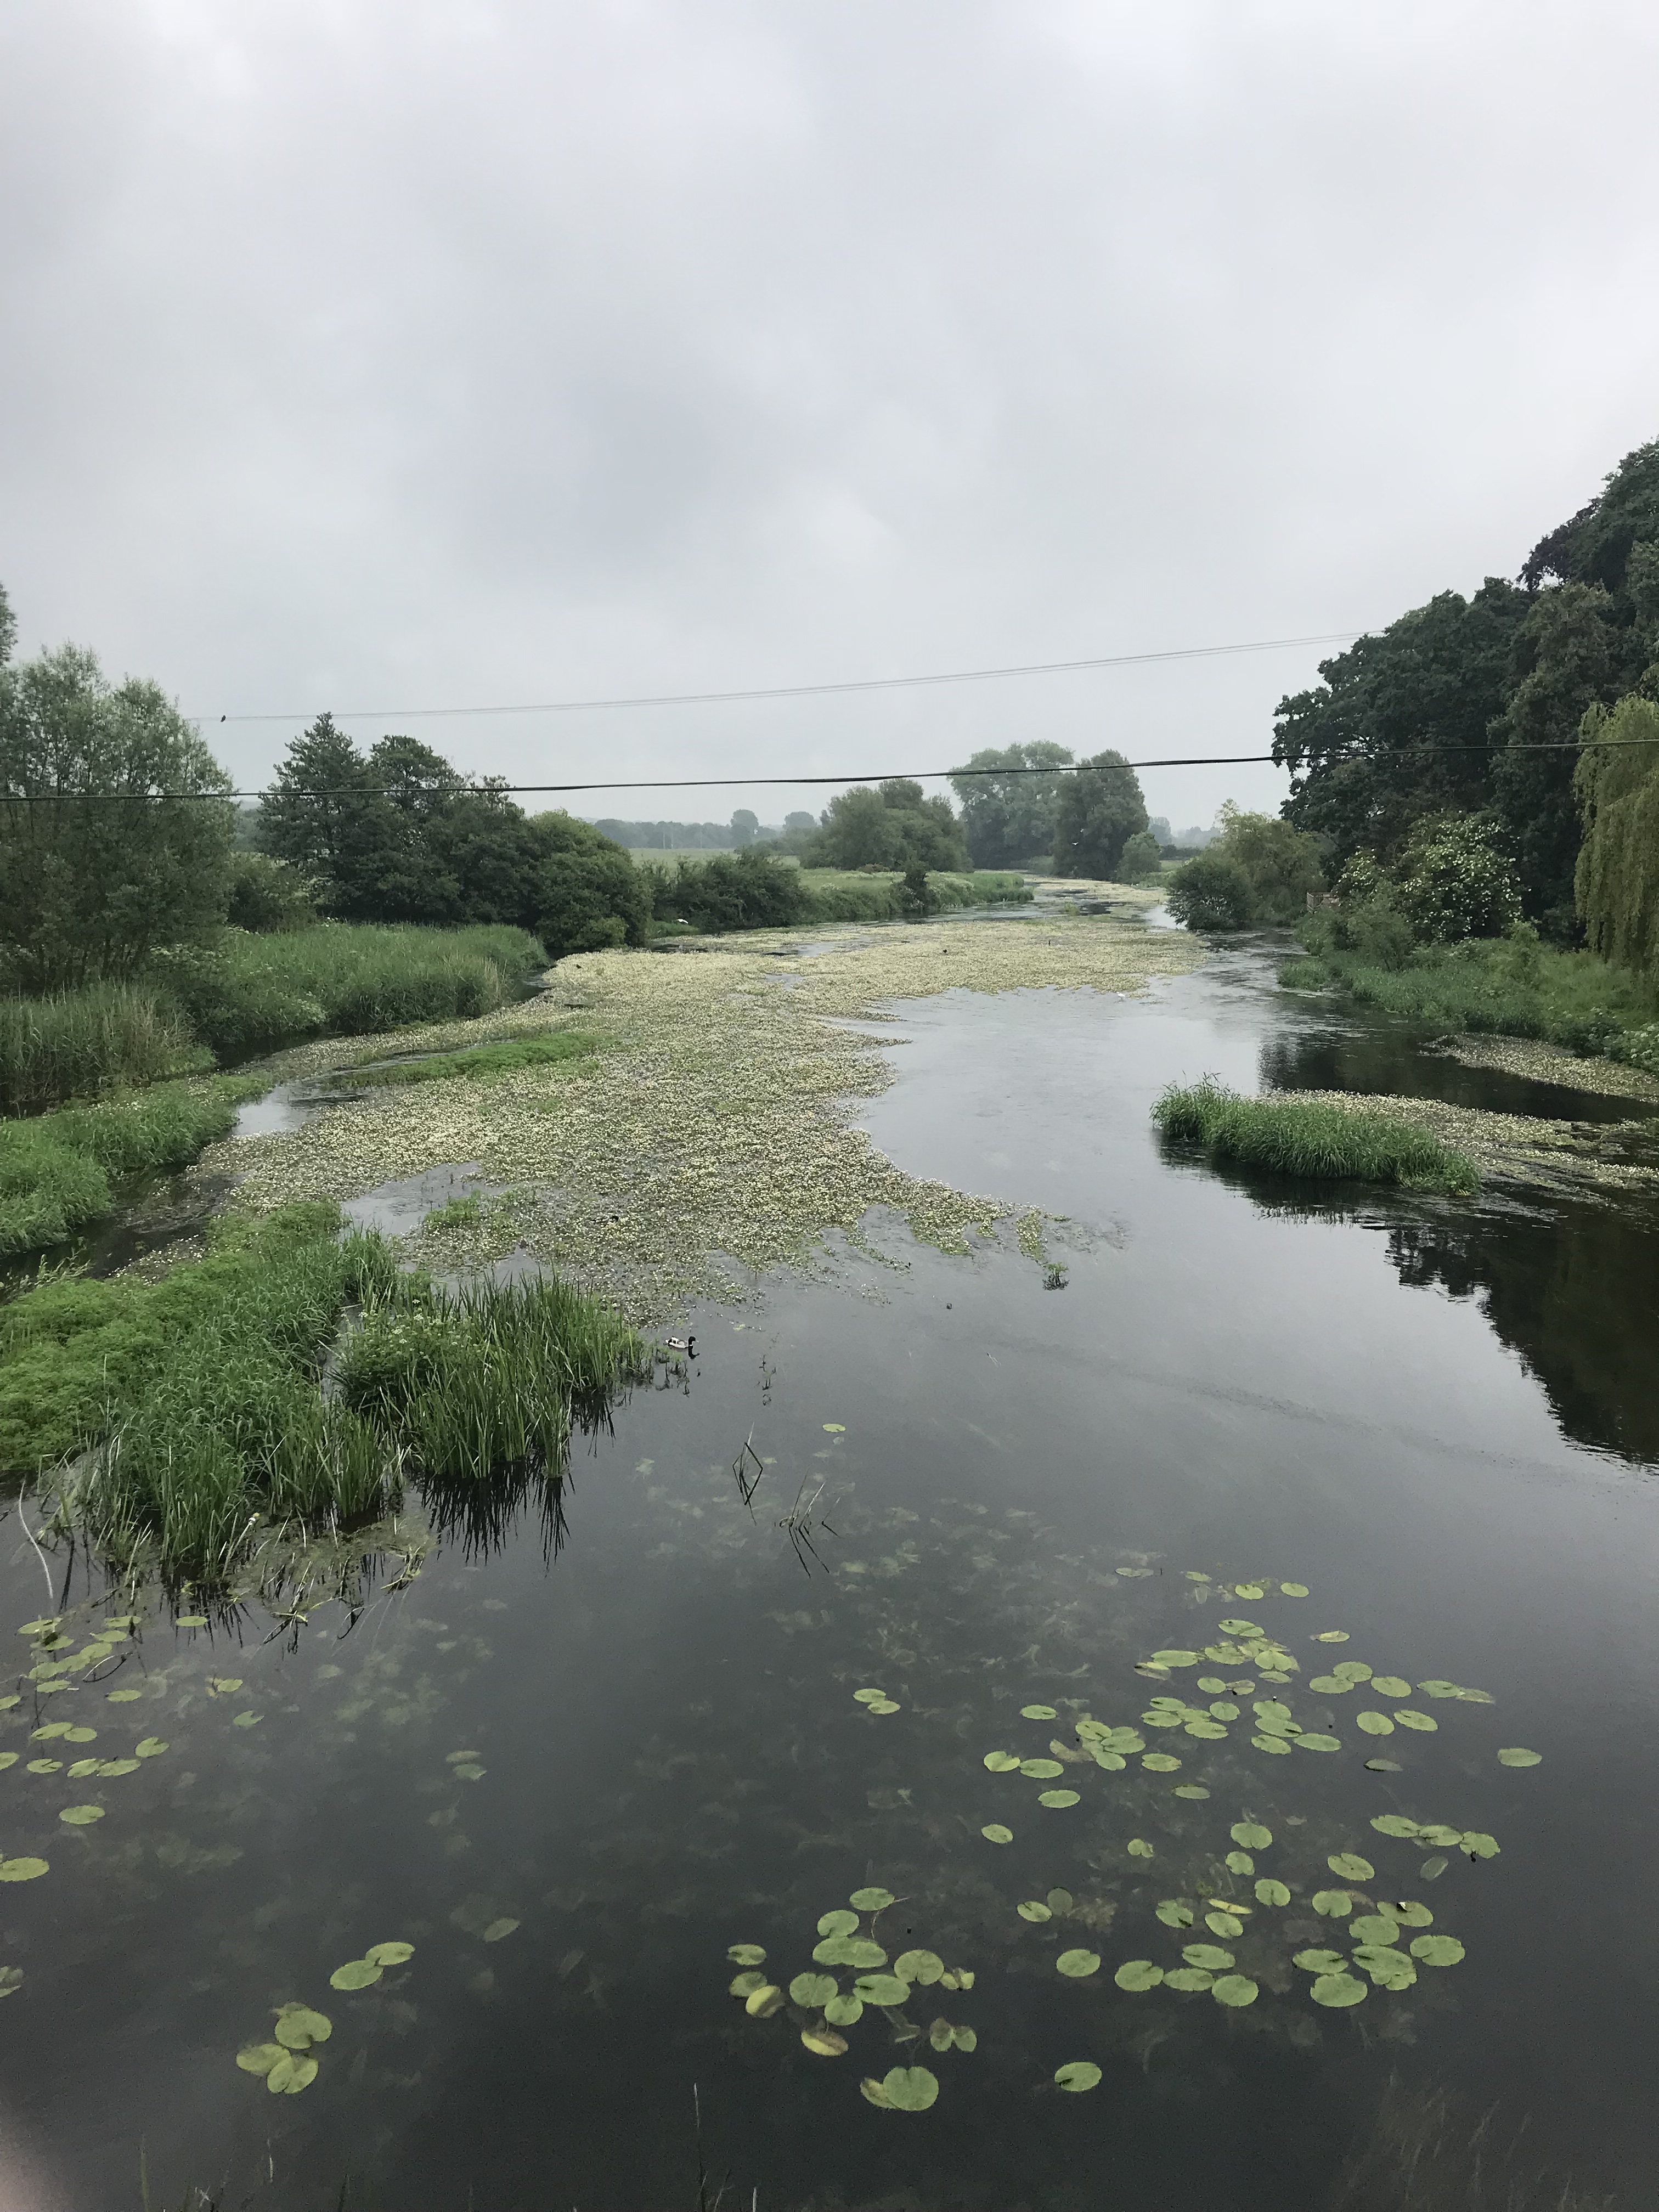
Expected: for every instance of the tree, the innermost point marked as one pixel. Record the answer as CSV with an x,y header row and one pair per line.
x,y
1280,863
267,897
799,821
8,629
97,866
745,827
322,817
1100,810
1616,885
1210,892
1009,817
1455,881
589,895
1142,859
892,827
732,891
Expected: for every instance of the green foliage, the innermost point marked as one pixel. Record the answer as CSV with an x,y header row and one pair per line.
x,y
1454,881
915,895
1512,987
1210,892
57,1171
249,994
1280,862
589,895
481,1063
268,894
95,868
731,891
1142,861
893,826
81,1044
1616,886
1101,808
8,628
1010,819
1304,1137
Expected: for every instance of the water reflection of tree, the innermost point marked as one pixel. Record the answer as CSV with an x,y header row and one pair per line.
x,y
1575,1293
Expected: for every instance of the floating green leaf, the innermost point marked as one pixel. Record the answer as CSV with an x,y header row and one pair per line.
x,y
883,1705
1139,1848
299,2025
1160,1762
1320,1962
1175,1912
824,2041
1316,1743
1477,1845
124,1696
22,1869
1351,1670
1206,1730
151,1747
1384,1766
1058,1800
79,1734
873,1900
1436,1832
1432,1869
873,2094
294,2071
1175,1658
880,1990
1134,1974
1388,1969
1268,1892
1060,1900
760,2003
1240,1863
1002,1762
247,1720
1194,1790
1210,1956
1328,1685
1250,1835
1437,1950
1374,1723
1134,1574
1293,1590
812,1990
1335,1904
922,1966
1251,1591
1273,1743
1338,1989
259,2058
1390,1686
994,1833
751,1954
1038,1713
1373,1928
1032,1911
1082,2074
81,1816
1331,1635
355,1974
1234,1990
1412,1915
191,1620
868,1697
841,1922
45,1766
1421,1722
1040,1770
1351,1866
1187,1979
1515,1755
745,1985
844,2010
1223,1924
498,1928
1394,1824
1078,1964
855,1951
909,2089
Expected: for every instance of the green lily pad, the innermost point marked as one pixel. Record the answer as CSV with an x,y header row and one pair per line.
x,y
1194,1790
1432,1869
300,2025
1320,1962
22,1869
1134,1974
873,2094
1041,1770
1002,1762
1477,1845
841,1922
1437,1950
1134,1574
1333,1903
1207,1731
880,1990
191,1620
1078,1965
1388,1969
762,2003
1082,2074
1250,1590
1351,1670
259,2058
844,2010
823,2042
1274,1743
1391,1685
856,1951
749,1954
1328,1685
1293,1590
1412,1915
151,1747
1234,1989
909,2089
1373,1928
1175,1658
1351,1866
355,1974
124,1696
1331,1635
1060,1900
1058,1800
1384,1766
45,1766
247,1720
1250,1835
1338,1989
922,1966
1437,1832
1223,1924
79,1734
1222,1709
1188,1979
1175,1912
1033,1912
1038,1713
873,1900
1374,1723
1159,1762
499,1928
1240,1863
1210,1956
883,1705
389,1954
1394,1824
81,1816
1421,1722
1269,1892
813,1990
294,2071
994,1833
1316,1743
1139,1848
1516,1755
83,1768
868,1697
745,1984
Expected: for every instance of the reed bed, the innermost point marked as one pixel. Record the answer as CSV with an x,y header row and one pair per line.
x,y
85,1044
1310,1139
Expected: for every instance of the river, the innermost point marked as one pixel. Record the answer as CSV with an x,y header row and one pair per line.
x,y
573,1767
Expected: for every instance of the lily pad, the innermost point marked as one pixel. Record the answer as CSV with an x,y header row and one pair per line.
x,y
1329,1686
81,1816
1269,1892
814,1991
1038,1713
749,1954
1516,1755
259,2058
1421,1722
294,2071
1333,1903
1240,1863
151,1747
1293,1590
1437,1950
1175,1912
355,1974
909,2089
1139,1848
1160,1762
1060,1900
1391,1685
1373,1928
883,1705
1331,1635
843,2011
45,1766
1432,1869
1384,1766
1058,1800
389,1954
247,1720
1274,1743
824,2041
1134,1974
22,1869
873,2094
1206,1730
1250,1590
1250,1835
1338,1989
841,1922
79,1734
498,1928
1351,1866
868,1697
1320,1962
1223,1924
873,1900
1234,1989
1077,1966
1194,1790
1082,2074
922,1966
1210,1956
994,1833
1002,1762
880,1990
1410,1914
1033,1912
300,2025
1316,1743
1394,1824
856,1951
762,2003
1041,1770
1477,1845
1374,1723
1175,1658
745,1984
1188,1979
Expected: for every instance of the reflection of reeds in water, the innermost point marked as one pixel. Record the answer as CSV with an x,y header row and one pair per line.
x,y
1423,2154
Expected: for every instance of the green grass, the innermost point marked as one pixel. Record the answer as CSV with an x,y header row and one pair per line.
x,y
250,994
851,895
1306,1138
196,1402
1500,987
482,1062
57,1171
84,1044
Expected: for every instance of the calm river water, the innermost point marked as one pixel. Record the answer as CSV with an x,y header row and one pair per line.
x,y
573,1782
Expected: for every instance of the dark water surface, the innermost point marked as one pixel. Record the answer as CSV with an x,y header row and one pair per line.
x,y
1442,1420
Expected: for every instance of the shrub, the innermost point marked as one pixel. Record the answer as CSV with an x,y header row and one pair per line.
x,y
1142,860
732,891
1210,892
268,894
589,896
1101,808
1454,881
1281,864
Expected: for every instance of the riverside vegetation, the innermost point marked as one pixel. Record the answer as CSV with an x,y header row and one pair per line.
x,y
1310,1139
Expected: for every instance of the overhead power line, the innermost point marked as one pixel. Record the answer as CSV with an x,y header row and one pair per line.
x,y
812,690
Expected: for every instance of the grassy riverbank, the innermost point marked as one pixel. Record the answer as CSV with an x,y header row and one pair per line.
x,y
1310,1139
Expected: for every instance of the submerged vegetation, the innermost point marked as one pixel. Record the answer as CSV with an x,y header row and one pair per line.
x,y
1309,1138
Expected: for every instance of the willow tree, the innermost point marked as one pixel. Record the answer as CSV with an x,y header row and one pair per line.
x,y
1616,887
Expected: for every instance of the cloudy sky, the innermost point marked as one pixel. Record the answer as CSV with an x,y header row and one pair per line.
x,y
384,356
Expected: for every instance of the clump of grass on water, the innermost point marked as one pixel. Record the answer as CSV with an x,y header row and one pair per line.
x,y
1306,1138
482,1062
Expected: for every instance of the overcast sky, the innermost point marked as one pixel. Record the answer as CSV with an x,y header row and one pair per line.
x,y
371,355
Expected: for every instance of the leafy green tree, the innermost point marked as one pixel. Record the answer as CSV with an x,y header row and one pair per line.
x,y
115,836
8,629
1101,808
1210,892
267,897
1594,545
1617,880
1280,862
1010,818
1454,881
732,891
589,894
1142,859
745,827
322,816
892,827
